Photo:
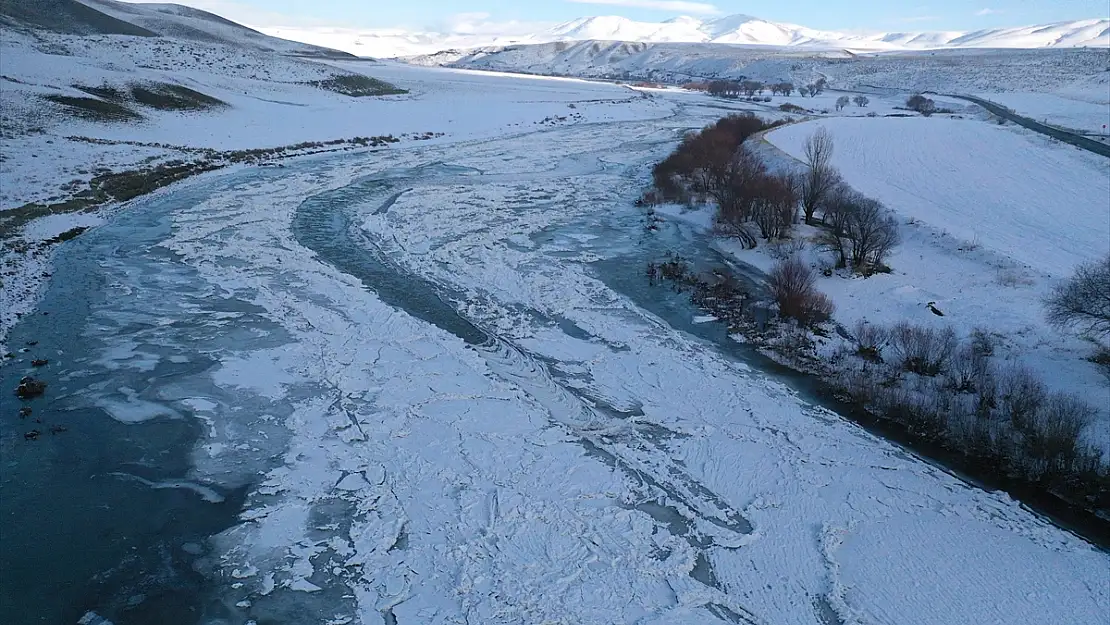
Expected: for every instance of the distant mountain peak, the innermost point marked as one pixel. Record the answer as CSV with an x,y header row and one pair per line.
x,y
683,19
739,29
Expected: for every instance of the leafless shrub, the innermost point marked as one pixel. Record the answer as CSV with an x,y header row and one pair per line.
x,y
1012,278
1020,396
920,350
974,435
1054,439
872,235
792,284
1003,419
735,185
1083,301
982,343
861,383
870,338
968,369
794,342
785,248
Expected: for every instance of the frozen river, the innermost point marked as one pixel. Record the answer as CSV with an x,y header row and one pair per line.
x,y
423,385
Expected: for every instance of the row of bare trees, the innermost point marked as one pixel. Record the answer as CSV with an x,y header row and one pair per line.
x,y
714,164
732,88
951,391
750,88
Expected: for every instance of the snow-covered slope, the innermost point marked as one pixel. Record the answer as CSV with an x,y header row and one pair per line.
x,y
107,17
942,71
181,22
733,30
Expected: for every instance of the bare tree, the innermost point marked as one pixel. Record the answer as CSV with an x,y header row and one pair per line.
x,y
733,186
775,206
1083,301
751,87
873,233
820,177
837,207
861,101
802,91
921,104
859,230
724,88
842,102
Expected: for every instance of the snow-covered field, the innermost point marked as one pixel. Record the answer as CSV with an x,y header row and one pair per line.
x,y
1088,116
586,462
992,219
1021,196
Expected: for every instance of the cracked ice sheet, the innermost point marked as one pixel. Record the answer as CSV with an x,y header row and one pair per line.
x,y
795,471
505,519
419,483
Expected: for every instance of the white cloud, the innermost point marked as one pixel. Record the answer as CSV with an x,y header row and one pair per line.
x,y
988,12
677,6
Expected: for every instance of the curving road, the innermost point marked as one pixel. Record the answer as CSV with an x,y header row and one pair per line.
x,y
1078,141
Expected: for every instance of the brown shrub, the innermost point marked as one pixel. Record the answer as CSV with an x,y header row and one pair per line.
x,y
792,285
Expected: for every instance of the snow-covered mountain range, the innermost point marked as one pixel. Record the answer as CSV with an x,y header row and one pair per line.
x,y
733,29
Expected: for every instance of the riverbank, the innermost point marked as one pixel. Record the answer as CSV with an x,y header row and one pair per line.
x,y
828,354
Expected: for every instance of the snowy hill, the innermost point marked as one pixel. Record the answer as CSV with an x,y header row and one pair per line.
x,y
968,70
107,17
141,74
732,30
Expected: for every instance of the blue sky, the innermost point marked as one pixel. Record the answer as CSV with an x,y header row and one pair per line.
x,y
490,14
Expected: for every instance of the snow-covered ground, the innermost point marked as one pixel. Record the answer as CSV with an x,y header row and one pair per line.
x,y
588,463
1083,115
992,218
1021,196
